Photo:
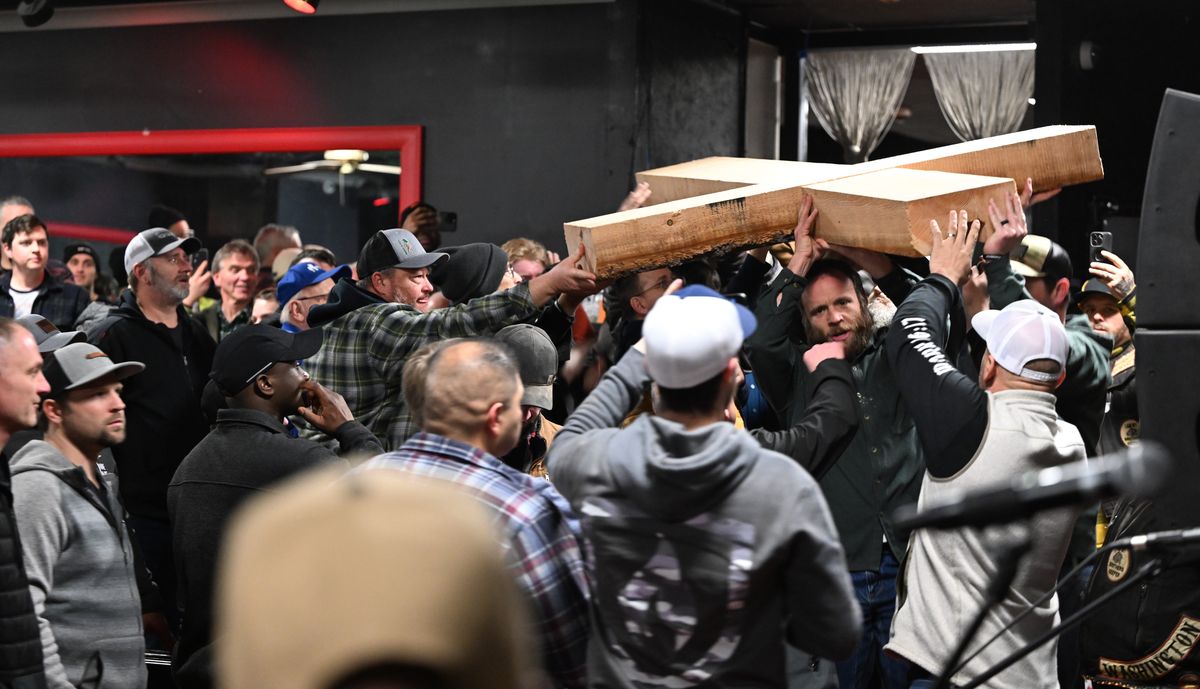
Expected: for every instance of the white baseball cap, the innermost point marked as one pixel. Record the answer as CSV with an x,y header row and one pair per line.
x,y
691,335
1022,332
155,241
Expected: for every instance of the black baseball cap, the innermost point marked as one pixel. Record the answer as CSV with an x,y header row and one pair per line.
x,y
252,349
537,362
395,248
1093,286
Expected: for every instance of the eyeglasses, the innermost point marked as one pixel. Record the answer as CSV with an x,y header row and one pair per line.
x,y
661,283
512,273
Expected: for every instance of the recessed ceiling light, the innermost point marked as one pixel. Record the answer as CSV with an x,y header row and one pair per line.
x,y
974,48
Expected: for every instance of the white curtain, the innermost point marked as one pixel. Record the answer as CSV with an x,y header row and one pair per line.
x,y
982,94
855,94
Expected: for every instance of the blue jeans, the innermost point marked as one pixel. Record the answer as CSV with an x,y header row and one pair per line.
x,y
876,593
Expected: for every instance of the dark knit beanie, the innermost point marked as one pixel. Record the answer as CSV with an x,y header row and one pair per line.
x,y
473,270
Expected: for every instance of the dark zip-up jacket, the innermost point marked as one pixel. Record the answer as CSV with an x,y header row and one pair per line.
x,y
163,413
883,465
60,303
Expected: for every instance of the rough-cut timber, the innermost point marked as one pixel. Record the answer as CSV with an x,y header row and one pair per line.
x,y
1056,156
888,210
710,175
753,202
1053,156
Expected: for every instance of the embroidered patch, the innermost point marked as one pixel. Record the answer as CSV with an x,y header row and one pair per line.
x,y
96,355
1163,660
1130,430
1118,565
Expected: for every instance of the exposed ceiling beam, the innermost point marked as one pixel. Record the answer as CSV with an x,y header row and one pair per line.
x,y
198,11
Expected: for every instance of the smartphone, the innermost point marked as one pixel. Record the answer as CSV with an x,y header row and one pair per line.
x,y
199,257
1097,242
447,221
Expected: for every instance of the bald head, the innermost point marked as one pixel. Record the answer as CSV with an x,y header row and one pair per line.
x,y
473,393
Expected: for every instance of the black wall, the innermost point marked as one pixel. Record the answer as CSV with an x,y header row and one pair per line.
x,y
529,112
1140,50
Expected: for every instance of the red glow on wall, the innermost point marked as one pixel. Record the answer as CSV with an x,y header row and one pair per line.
x,y
300,6
381,202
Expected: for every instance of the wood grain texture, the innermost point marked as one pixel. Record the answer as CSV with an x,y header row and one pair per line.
x,y
884,205
888,211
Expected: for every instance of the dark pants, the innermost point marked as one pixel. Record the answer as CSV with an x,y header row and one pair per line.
x,y
876,593
154,538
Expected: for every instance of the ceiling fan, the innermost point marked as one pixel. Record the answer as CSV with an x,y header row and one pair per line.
x,y
344,160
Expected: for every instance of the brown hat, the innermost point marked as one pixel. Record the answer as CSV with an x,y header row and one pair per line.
x,y
326,577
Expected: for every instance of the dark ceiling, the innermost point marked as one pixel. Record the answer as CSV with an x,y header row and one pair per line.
x,y
875,15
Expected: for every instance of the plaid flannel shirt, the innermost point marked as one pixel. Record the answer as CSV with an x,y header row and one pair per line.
x,y
543,546
59,302
364,353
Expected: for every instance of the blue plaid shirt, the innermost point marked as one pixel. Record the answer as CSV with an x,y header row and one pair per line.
x,y
543,544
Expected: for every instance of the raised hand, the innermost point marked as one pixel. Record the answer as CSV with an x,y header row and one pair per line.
x,y
808,247
951,255
636,197
1008,225
1117,275
1028,198
566,277
324,408
826,350
198,284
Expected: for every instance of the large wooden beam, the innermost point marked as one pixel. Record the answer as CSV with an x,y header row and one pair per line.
x,y
1053,156
711,175
887,210
875,205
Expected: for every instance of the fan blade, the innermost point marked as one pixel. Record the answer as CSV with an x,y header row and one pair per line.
x,y
302,167
381,169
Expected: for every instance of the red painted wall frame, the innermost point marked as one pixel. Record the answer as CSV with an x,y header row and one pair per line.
x,y
406,139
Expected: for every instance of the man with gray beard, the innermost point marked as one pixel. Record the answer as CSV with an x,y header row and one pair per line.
x,y
163,413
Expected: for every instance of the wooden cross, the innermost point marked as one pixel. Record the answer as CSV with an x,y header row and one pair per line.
x,y
886,205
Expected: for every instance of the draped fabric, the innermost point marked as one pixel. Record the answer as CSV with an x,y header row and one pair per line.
x,y
855,94
982,94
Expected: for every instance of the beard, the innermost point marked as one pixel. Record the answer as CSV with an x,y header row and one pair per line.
x,y
860,333
167,287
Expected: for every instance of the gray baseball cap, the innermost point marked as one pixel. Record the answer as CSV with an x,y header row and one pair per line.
x,y
47,335
155,241
79,364
395,248
537,359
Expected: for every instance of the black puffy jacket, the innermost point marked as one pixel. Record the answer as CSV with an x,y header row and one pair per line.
x,y
20,640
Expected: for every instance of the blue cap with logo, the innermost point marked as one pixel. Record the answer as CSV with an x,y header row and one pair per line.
x,y
305,274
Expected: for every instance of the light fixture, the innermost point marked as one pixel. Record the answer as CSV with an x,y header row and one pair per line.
x,y
35,12
303,6
973,48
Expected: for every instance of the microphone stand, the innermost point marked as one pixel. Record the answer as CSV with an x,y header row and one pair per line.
x,y
1150,569
1008,558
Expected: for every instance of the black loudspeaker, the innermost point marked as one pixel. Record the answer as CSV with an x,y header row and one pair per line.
x,y
1169,240
1168,390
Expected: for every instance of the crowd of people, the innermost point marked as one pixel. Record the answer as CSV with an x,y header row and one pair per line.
x,y
685,478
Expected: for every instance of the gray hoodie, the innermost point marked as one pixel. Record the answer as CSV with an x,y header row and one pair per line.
x,y
704,551
81,573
